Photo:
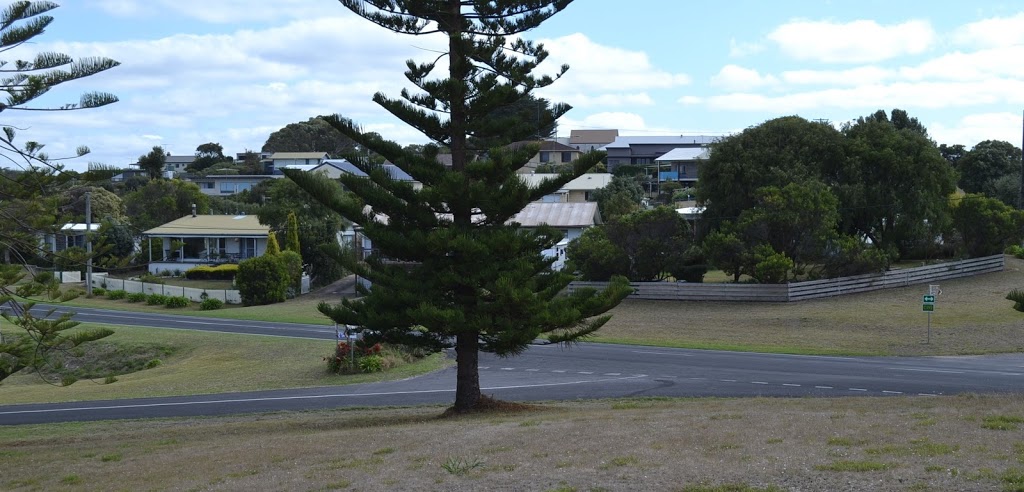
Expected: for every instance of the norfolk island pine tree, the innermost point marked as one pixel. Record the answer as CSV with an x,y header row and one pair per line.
x,y
448,270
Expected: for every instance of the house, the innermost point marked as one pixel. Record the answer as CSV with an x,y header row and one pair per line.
x,y
229,184
550,152
206,239
570,218
578,190
334,168
176,164
587,140
643,150
281,160
70,235
681,165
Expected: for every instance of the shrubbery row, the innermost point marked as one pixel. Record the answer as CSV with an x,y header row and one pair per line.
x,y
226,271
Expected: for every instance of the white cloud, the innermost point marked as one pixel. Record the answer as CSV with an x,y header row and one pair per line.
x,y
738,49
220,11
861,41
854,76
690,100
737,78
975,128
994,32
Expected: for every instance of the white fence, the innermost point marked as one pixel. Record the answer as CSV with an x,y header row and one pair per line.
x,y
133,286
799,291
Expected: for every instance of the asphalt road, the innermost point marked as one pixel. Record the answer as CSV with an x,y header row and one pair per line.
x,y
550,372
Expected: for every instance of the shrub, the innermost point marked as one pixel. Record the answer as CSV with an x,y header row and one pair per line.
x,y
262,280
371,363
98,291
150,278
156,299
137,297
116,294
1017,296
210,304
226,271
293,263
177,301
165,273
1015,250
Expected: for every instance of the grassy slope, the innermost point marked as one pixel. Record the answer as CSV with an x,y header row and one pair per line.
x,y
898,443
207,363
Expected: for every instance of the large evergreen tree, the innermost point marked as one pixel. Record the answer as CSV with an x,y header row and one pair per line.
x,y
448,269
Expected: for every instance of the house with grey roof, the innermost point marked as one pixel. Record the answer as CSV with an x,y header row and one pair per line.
x,y
643,150
334,168
229,184
549,152
280,160
587,140
176,164
195,240
578,190
681,165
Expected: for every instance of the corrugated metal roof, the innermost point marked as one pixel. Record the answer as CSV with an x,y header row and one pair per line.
x,y
587,182
79,227
345,166
298,155
684,154
546,145
558,214
592,136
212,226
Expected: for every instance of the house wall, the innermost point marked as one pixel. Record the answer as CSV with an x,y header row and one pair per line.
x,y
640,154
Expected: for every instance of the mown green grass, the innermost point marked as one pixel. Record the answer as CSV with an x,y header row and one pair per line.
x,y
204,362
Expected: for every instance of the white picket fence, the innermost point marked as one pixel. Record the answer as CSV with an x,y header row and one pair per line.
x,y
134,286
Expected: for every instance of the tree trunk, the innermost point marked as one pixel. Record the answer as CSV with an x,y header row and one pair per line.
x,y
467,384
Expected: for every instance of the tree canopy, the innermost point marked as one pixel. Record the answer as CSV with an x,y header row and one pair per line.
x,y
208,154
448,267
153,162
163,200
992,168
312,135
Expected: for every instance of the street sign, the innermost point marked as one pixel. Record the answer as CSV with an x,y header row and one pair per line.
x,y
929,299
928,308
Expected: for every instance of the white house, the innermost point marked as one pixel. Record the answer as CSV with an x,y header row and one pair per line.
x,y
206,239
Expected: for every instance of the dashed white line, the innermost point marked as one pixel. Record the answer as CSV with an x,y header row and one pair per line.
x,y
892,392
857,389
824,387
586,372
758,382
662,353
558,370
532,370
698,379
791,384
508,368
613,374
485,367
927,394
727,380
944,371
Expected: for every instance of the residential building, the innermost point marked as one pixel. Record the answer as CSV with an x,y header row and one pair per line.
x,y
70,235
587,140
229,184
176,164
281,160
642,151
206,239
680,165
578,190
334,168
570,218
550,152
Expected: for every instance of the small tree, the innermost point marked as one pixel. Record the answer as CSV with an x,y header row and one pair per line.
x,y
292,241
986,225
153,162
272,247
262,280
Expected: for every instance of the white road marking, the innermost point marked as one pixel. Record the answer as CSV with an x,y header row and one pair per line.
x,y
727,380
301,397
508,368
586,372
791,384
824,387
946,371
613,374
892,392
662,353
558,370
698,379
857,389
758,382
485,367
927,394
532,370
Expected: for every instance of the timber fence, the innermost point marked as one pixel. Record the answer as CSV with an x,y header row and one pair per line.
x,y
813,289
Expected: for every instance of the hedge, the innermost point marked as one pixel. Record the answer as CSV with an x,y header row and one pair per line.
x,y
226,271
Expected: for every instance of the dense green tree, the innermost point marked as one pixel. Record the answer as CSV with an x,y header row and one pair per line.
x,y
986,225
594,257
774,153
893,187
986,164
208,154
653,242
725,250
318,226
163,200
292,238
623,195
29,187
262,280
952,153
273,248
796,220
449,266
153,162
312,135
104,204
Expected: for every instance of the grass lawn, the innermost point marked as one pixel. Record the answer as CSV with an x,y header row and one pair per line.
x,y
201,362
967,442
299,310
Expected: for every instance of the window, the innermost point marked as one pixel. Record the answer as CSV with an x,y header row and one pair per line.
x,y
228,188
566,156
545,156
244,186
641,160
206,185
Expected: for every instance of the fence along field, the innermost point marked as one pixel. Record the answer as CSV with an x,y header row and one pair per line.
x,y
799,291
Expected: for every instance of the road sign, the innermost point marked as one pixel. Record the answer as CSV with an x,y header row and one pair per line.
x,y
929,299
928,308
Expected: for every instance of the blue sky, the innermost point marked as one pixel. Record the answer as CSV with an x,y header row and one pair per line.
x,y
233,71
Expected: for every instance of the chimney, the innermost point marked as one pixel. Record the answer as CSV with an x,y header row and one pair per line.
x,y
193,210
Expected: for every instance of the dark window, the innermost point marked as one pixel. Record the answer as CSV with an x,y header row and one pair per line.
x,y
545,156
566,156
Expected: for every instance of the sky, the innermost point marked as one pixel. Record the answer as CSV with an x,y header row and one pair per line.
x,y
234,71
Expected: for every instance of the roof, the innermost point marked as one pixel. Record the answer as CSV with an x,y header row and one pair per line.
x,y
546,145
78,227
685,154
222,177
212,226
624,142
592,136
558,214
347,167
298,155
300,167
182,159
587,182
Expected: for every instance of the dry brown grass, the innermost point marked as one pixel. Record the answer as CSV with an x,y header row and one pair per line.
x,y
972,316
792,444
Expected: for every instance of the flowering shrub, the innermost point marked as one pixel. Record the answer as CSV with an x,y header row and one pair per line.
x,y
346,356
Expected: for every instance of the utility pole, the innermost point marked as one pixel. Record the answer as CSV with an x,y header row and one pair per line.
x,y
1020,198
88,243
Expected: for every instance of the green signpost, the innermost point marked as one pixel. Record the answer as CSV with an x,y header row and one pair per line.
x,y
928,306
